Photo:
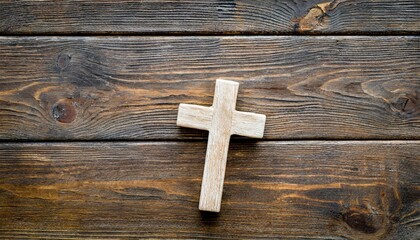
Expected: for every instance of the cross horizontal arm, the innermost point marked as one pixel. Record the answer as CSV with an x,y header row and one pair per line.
x,y
248,124
194,116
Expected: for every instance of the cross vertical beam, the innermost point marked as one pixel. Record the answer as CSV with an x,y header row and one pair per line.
x,y
221,120
224,103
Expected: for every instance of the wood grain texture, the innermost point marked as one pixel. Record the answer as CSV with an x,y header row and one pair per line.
x,y
339,87
204,17
306,189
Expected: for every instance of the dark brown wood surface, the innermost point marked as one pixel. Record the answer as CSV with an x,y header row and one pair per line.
x,y
81,72
303,189
341,87
209,17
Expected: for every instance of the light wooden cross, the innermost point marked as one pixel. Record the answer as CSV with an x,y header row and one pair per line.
x,y
221,120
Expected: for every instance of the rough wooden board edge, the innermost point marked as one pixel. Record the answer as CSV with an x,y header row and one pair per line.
x,y
129,88
290,189
210,17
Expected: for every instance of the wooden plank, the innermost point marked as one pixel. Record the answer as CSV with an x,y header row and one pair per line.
x,y
339,87
304,189
214,16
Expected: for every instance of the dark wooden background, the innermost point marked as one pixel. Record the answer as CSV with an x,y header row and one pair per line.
x,y
89,92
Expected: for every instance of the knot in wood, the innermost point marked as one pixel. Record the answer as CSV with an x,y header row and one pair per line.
x,y
64,111
315,17
363,220
63,60
406,104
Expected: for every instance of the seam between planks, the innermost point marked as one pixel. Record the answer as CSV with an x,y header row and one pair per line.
x,y
306,141
245,34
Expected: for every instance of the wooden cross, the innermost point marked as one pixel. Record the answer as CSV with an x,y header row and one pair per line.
x,y
221,120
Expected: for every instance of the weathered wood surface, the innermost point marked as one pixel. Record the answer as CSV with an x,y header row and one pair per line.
x,y
204,17
306,189
339,87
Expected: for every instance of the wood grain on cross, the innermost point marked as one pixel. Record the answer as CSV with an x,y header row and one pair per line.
x,y
221,120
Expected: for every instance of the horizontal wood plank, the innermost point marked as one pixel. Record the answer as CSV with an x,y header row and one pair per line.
x,y
209,17
130,87
305,189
